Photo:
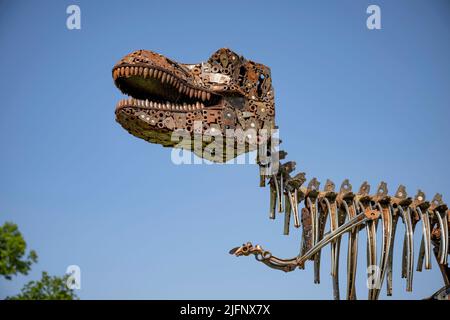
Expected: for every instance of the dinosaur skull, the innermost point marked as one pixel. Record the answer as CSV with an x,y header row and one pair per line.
x,y
227,92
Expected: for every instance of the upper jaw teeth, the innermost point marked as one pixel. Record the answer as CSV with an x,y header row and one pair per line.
x,y
161,106
164,77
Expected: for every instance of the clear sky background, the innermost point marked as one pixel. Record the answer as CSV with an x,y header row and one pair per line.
x,y
351,103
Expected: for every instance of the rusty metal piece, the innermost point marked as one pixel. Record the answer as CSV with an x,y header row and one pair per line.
x,y
395,216
444,239
332,213
352,254
400,199
311,205
371,250
408,254
287,212
279,192
293,186
273,198
307,234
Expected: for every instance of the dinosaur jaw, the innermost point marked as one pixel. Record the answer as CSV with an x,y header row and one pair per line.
x,y
154,88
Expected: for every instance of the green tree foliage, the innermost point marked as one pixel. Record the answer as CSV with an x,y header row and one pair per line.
x,y
12,252
48,288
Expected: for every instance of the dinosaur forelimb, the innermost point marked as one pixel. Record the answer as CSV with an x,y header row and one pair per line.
x,y
265,256
290,264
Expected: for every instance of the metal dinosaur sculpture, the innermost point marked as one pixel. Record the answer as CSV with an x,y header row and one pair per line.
x,y
228,92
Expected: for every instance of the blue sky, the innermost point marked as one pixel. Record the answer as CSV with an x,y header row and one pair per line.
x,y
351,103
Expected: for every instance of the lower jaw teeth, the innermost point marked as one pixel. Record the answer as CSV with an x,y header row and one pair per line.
x,y
161,106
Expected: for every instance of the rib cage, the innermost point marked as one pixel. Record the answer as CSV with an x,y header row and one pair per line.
x,y
349,212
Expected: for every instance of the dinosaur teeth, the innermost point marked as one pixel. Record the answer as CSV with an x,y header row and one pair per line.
x,y
161,106
163,77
